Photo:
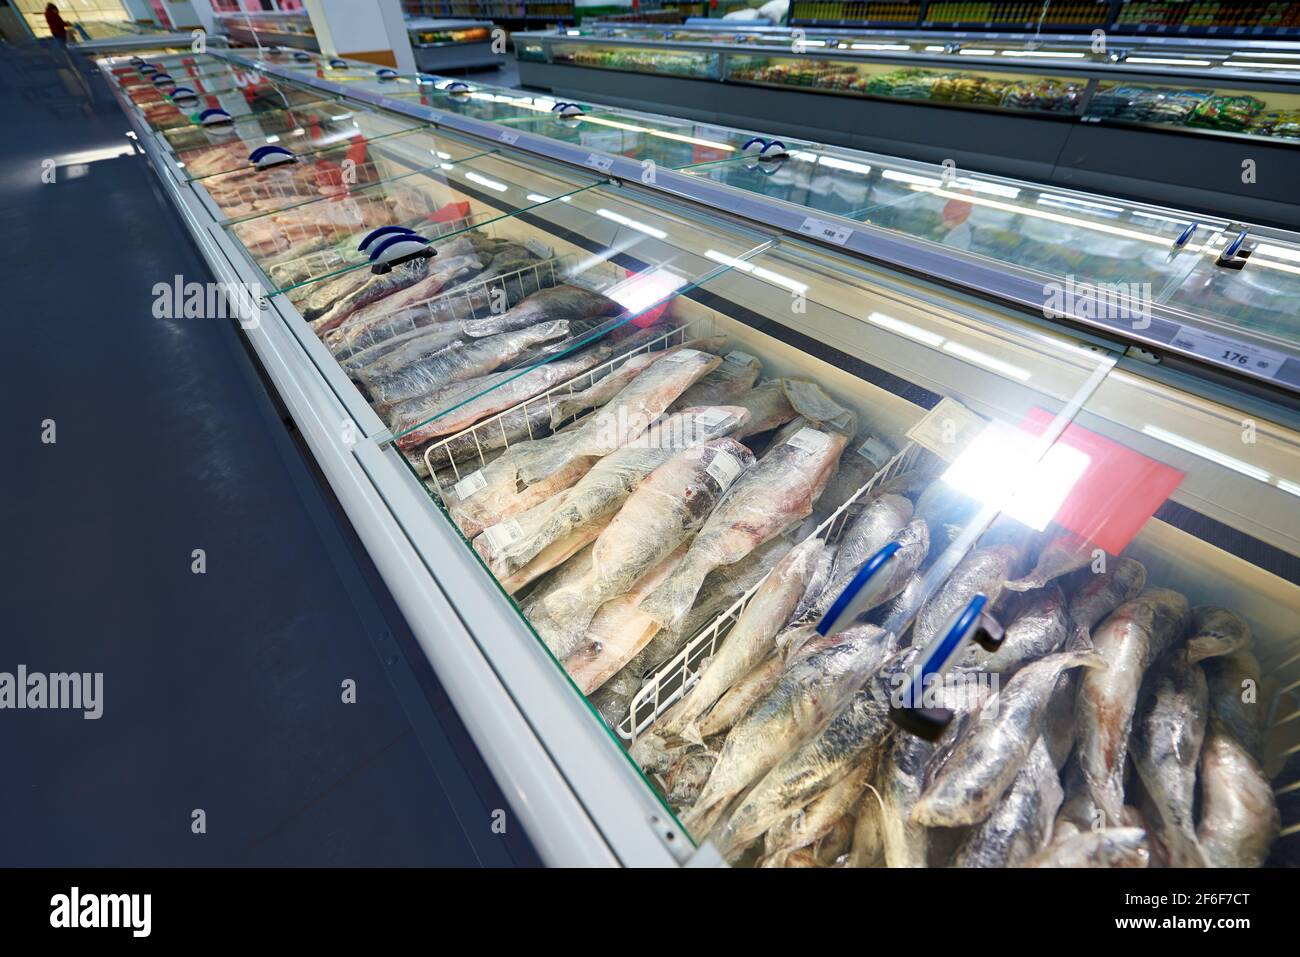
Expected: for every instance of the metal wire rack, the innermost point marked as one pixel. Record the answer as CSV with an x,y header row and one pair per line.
x,y
667,683
490,434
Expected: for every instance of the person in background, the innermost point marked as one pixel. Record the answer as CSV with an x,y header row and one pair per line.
x,y
58,29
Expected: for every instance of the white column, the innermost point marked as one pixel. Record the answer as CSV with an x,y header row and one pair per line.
x,y
371,30
195,13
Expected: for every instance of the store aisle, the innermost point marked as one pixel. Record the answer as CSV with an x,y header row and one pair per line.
x,y
221,691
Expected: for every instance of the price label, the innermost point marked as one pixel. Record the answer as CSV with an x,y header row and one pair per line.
x,y
503,535
469,485
724,468
711,418
808,440
830,232
875,451
602,163
509,137
1225,351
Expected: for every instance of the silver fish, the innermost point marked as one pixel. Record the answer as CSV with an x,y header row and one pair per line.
x,y
1130,640
1234,698
862,538
660,515
1038,628
778,492
856,735
751,638
1239,815
685,779
983,571
805,696
741,696
1098,595
986,760
768,406
1168,731
806,826
1021,825
901,781
1216,631
1108,847
856,469
817,583
1060,556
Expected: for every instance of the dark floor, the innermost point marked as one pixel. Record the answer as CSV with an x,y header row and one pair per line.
x,y
221,690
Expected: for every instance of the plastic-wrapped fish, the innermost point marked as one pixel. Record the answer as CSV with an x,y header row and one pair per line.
x,y
1135,635
776,493
1021,825
982,572
1038,626
862,538
1108,847
1239,815
1215,632
986,760
1234,698
808,825
1168,732
1060,556
728,382
661,514
1098,595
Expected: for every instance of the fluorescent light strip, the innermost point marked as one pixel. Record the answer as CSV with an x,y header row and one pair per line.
x,y
925,336
1205,452
1051,199
1045,54
1167,61
679,137
1291,487
980,358
879,46
757,272
631,223
979,186
848,165
911,178
1271,56
1251,64
977,52
484,181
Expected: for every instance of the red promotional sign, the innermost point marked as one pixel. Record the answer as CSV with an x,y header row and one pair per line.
x,y
1118,491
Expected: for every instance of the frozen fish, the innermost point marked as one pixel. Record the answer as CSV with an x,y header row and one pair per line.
x,y
1038,626
808,825
1097,595
1239,815
1107,847
1021,824
1234,698
1060,556
982,572
1216,631
728,382
862,538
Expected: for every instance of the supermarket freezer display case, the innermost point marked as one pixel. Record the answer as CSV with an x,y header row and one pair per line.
x,y
440,44
773,407
1165,122
292,30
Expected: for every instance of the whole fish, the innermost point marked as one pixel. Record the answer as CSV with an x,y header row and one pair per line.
x,y
496,490
741,696
1038,627
913,541
808,825
664,511
555,555
1216,631
1234,698
1130,640
856,735
868,846
719,593
1021,825
775,494
982,572
1058,725
751,638
605,489
1168,731
1100,594
862,538
817,582
1239,815
805,695
400,351
315,300
618,631
866,454
987,759
1107,847
1060,556
488,395
768,407
901,781
728,382
458,362
344,328
567,407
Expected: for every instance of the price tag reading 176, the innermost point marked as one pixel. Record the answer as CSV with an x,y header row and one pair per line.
x,y
830,232
602,163
1225,351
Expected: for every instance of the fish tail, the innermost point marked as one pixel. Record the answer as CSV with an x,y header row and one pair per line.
x,y
690,733
1080,639
565,409
570,609
1023,584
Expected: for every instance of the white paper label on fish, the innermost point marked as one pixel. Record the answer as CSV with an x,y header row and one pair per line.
x,y
724,468
808,440
711,418
875,451
504,534
470,484
736,362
